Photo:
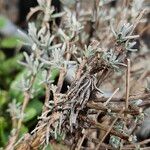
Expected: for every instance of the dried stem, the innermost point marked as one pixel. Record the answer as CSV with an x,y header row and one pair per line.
x,y
80,69
82,139
111,97
138,19
127,83
14,137
101,107
98,125
103,99
25,103
105,103
14,122
134,145
110,128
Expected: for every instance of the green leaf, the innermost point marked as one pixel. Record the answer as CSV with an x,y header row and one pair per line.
x,y
2,56
23,130
9,42
3,98
30,113
34,108
16,93
2,22
3,136
10,65
49,147
55,73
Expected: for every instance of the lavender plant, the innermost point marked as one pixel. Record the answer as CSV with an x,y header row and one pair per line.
x,y
60,46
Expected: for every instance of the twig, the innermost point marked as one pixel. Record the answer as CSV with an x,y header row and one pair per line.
x,y
80,69
101,107
82,139
61,79
108,100
25,103
136,144
111,97
137,20
14,122
103,99
127,95
105,128
96,141
14,137
110,128
127,83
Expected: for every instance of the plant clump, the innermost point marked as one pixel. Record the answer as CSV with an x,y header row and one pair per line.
x,y
101,107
